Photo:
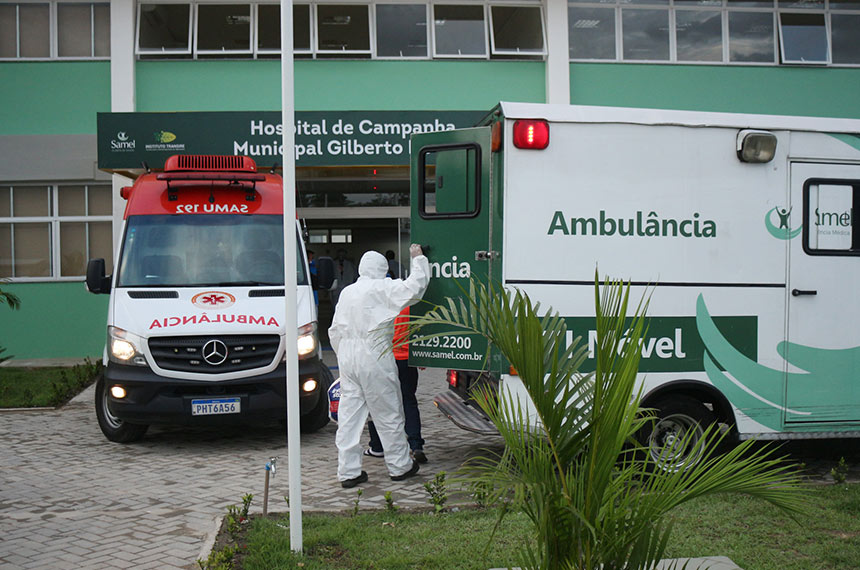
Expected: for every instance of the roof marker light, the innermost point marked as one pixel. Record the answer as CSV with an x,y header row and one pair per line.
x,y
531,134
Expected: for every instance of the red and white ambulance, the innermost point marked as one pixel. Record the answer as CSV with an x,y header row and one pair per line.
x,y
195,331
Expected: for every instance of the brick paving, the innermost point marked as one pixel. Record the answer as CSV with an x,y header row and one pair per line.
x,y
71,499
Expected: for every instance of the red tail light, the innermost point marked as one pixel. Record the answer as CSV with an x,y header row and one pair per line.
x,y
531,134
452,378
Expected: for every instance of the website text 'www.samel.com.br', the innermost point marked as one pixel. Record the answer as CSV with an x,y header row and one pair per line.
x,y
450,354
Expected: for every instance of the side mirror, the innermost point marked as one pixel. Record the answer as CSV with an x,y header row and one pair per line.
x,y
325,273
96,280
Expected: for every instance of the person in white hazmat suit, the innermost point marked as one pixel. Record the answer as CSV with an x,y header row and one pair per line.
x,y
361,335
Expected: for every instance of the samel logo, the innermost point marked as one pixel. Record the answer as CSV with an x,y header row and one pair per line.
x,y
121,143
213,300
777,222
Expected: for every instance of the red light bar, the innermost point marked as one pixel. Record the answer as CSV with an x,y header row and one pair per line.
x,y
198,162
452,378
531,134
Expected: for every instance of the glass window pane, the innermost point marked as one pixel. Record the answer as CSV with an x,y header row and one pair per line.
x,y
751,37
225,27
99,201
401,30
750,3
164,26
269,26
845,37
73,248
71,201
699,35
31,201
591,32
709,3
803,37
318,236
32,250
100,244
517,28
459,30
8,30
451,181
830,224
801,4
343,27
645,34
845,4
74,31
301,27
6,250
35,30
5,204
341,236
102,30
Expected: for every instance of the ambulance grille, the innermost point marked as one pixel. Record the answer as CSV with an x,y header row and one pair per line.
x,y
186,353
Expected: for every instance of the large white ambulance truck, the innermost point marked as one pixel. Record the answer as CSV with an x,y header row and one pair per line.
x,y
195,331
743,226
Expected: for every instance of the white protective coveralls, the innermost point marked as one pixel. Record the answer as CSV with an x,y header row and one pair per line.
x,y
361,335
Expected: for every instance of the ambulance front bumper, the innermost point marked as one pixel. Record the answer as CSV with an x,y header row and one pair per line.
x,y
154,399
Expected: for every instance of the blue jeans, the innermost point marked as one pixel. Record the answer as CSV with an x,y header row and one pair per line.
x,y
408,385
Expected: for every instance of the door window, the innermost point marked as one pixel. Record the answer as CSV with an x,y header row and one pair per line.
x,y
451,181
829,217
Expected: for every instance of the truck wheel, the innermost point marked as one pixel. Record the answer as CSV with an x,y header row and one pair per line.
x,y
670,440
114,428
317,418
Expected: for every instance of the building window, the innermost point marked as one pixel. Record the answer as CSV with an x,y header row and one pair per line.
x,y
343,29
517,30
401,30
54,30
52,231
223,29
459,30
164,28
803,38
749,32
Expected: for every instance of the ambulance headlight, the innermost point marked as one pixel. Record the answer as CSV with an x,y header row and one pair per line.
x,y
307,343
756,146
124,347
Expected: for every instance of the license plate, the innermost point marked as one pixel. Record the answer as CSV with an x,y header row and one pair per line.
x,y
216,406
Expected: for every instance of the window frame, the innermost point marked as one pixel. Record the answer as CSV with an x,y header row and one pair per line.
x,y
315,38
54,221
138,50
484,23
54,31
794,12
855,227
252,30
428,14
516,52
477,174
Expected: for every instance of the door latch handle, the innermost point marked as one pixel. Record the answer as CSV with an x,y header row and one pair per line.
x,y
799,292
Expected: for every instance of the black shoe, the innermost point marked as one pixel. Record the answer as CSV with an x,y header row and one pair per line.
x,y
350,483
369,452
418,455
408,474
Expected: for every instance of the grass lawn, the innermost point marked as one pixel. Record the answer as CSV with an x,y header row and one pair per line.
x,y
34,387
753,534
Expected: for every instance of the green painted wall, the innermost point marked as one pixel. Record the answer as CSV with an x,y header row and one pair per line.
x,y
337,85
56,320
812,91
53,98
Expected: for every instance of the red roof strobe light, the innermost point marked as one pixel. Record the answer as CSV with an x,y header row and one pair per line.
x,y
531,134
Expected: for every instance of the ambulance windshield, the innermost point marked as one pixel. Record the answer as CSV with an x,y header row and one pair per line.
x,y
205,250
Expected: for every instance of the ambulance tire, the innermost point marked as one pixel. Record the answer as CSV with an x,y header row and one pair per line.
x,y
318,417
112,427
670,440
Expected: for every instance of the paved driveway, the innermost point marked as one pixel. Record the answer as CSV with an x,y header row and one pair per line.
x,y
71,499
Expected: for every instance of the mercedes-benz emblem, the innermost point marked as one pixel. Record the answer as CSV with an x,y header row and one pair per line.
x,y
214,352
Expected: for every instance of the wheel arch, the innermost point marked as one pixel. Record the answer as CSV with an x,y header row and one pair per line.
x,y
698,390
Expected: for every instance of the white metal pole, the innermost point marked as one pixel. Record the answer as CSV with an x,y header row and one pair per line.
x,y
294,453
